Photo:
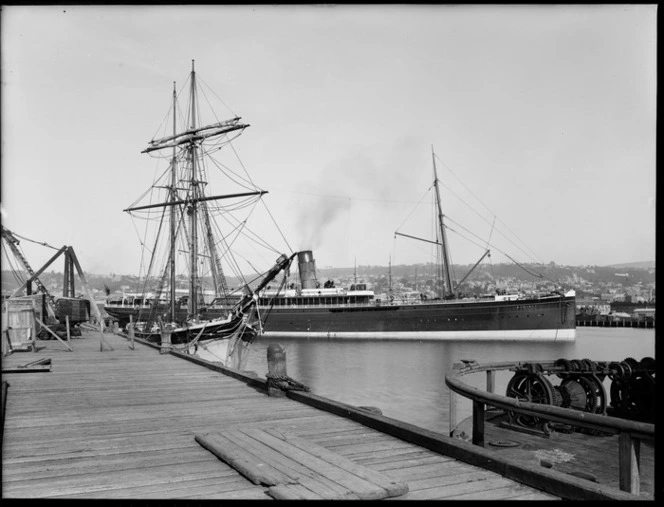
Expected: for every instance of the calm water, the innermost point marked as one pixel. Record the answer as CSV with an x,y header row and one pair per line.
x,y
406,380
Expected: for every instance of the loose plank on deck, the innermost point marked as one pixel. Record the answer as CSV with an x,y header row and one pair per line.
x,y
296,468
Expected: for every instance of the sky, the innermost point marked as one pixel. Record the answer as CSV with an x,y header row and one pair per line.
x,y
541,121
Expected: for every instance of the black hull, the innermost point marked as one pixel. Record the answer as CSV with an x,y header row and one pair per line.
x,y
550,318
122,314
535,318
212,331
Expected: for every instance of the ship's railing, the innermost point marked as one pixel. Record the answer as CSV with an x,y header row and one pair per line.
x,y
631,433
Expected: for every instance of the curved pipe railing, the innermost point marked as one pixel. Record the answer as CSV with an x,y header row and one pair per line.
x,y
631,433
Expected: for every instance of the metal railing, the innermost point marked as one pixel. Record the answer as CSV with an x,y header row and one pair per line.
x,y
631,433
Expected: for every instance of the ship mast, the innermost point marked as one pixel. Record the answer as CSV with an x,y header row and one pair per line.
x,y
193,205
194,201
447,288
172,210
390,276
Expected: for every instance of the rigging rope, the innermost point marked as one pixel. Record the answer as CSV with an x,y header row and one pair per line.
x,y
33,241
15,271
416,206
203,87
277,226
274,298
531,254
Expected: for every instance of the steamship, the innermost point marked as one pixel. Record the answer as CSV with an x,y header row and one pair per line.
x,y
305,309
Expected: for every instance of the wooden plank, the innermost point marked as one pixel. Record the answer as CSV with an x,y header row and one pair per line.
x,y
55,467
529,495
492,488
458,474
365,490
359,450
91,482
400,460
409,474
178,486
451,488
325,458
249,465
245,494
322,486
74,472
115,417
292,492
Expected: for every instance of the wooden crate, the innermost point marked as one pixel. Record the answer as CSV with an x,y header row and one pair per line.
x,y
19,327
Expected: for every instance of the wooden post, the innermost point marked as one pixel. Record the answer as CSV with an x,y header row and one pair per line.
x,y
276,367
166,339
629,451
453,411
33,337
6,344
3,406
67,322
101,337
478,423
131,331
490,380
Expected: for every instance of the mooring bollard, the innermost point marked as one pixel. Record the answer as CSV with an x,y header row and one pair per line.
x,y
276,368
165,340
131,332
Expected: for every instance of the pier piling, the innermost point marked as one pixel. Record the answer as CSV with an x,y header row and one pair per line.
x,y
276,366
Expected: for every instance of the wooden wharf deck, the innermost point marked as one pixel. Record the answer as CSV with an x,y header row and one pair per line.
x,y
594,456
122,423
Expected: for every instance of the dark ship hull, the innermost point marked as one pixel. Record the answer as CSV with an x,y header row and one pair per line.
x,y
547,318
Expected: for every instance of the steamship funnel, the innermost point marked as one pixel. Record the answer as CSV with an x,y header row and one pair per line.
x,y
307,268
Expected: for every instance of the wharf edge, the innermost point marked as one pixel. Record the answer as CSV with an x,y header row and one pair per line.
x,y
121,423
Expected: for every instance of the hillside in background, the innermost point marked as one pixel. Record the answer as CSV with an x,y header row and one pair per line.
x,y
642,265
570,276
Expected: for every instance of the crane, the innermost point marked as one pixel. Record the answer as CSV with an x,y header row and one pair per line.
x,y
13,243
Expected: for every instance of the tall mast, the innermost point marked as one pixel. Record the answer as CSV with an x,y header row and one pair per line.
x,y
189,140
193,246
443,237
390,276
173,198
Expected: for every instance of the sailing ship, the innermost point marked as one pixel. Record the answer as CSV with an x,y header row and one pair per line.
x,y
311,310
187,242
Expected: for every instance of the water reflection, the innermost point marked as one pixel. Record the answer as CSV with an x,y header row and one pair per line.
x,y
406,380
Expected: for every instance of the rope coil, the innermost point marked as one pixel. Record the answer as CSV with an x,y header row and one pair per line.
x,y
284,382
